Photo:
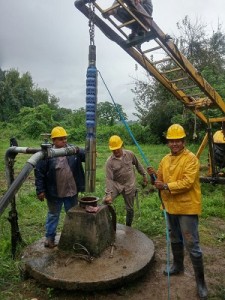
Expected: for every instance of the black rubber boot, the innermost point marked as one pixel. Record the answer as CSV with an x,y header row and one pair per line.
x,y
199,276
129,218
178,259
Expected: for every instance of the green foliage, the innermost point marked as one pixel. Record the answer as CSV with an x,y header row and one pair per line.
x,y
35,121
139,132
78,117
217,79
104,132
78,134
145,98
157,108
108,114
193,41
215,202
18,91
10,130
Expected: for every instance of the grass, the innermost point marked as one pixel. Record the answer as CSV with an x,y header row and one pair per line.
x,y
148,219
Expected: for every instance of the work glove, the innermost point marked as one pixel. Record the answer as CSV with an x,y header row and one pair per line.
x,y
41,196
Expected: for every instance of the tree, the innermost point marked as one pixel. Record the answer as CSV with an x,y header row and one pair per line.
x,y
2,75
63,115
36,120
17,91
78,117
9,103
193,42
108,114
156,107
144,100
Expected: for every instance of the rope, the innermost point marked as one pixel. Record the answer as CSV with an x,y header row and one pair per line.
x,y
195,125
148,164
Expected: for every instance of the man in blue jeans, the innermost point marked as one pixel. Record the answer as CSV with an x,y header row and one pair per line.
x,y
58,180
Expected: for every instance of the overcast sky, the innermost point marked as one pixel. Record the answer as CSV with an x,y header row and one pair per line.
x,y
50,39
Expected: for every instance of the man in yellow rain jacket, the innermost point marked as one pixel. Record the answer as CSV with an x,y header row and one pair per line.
x,y
178,182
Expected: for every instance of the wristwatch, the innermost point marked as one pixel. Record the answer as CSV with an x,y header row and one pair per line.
x,y
165,187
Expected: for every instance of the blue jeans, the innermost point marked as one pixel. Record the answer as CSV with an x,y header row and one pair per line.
x,y
184,229
54,210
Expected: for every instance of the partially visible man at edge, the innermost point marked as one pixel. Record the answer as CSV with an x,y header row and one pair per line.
x,y
136,7
58,180
178,182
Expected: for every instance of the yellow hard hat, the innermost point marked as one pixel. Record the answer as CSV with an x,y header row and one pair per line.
x,y
218,137
58,132
115,142
175,131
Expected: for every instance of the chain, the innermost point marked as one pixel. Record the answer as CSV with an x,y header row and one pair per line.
x,y
91,22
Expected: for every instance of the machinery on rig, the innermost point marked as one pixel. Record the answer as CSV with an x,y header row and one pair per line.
x,y
172,70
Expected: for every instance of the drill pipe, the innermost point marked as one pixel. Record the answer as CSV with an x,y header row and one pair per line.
x,y
91,111
30,164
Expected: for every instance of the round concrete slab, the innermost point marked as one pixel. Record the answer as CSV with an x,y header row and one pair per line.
x,y
132,254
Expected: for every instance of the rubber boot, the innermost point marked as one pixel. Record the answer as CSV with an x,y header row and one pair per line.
x,y
199,276
129,218
178,259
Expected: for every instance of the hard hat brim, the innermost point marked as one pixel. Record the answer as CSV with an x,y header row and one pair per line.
x,y
116,148
175,137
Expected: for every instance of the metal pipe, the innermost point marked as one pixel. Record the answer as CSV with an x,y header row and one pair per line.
x,y
30,164
13,215
26,150
17,183
91,111
10,156
66,151
90,164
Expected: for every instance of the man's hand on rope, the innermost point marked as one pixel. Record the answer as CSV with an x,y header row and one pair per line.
x,y
152,174
160,185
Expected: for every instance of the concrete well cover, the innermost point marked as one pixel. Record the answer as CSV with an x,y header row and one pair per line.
x,y
132,254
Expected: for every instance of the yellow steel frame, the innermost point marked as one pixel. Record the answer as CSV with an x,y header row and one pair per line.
x,y
209,97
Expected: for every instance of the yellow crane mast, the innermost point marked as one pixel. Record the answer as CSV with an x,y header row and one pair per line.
x,y
172,69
